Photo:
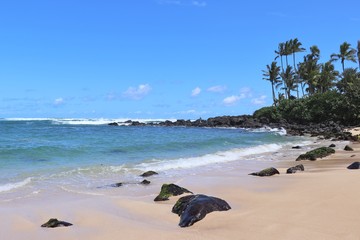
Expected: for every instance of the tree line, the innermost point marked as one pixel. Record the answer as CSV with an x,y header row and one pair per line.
x,y
295,86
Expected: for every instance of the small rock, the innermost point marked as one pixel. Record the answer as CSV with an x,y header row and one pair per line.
x,y
53,223
299,167
116,184
145,182
168,190
194,208
348,148
266,172
148,174
353,155
354,165
332,145
296,147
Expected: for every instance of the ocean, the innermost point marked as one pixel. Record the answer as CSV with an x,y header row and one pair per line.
x,y
38,155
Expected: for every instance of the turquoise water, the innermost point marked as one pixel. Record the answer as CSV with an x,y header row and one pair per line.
x,y
41,152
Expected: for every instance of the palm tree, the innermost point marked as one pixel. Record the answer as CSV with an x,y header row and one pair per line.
x,y
295,47
280,53
309,70
349,79
327,77
289,81
272,75
346,53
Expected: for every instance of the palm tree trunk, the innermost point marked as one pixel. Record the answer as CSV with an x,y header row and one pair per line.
x,y
273,93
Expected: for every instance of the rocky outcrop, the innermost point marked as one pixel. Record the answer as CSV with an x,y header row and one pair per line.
x,y
316,153
295,169
53,223
194,208
168,190
266,172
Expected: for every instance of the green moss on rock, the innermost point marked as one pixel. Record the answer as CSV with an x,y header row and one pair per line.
x,y
168,190
316,153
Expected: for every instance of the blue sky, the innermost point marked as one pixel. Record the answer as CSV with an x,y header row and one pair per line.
x,y
155,58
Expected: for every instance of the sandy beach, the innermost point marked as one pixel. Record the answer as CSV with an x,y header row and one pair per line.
x,y
320,203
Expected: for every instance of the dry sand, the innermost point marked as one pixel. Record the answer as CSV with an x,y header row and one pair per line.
x,y
320,203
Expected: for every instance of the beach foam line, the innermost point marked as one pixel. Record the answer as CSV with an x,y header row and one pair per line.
x,y
10,186
218,157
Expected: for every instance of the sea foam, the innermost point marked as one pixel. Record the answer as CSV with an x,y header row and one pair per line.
x,y
10,186
218,157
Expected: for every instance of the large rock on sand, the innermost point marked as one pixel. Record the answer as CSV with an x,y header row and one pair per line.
x,y
53,223
148,174
168,190
316,153
193,208
295,169
354,165
266,172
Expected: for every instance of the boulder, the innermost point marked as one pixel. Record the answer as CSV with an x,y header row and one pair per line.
x,y
148,174
348,148
332,145
53,223
354,165
193,208
145,182
168,190
316,153
296,147
113,124
266,172
299,167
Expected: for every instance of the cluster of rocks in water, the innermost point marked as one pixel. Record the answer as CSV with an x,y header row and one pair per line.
x,y
328,129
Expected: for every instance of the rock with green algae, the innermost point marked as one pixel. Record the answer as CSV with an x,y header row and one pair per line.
x,y
53,223
168,190
316,153
295,169
193,208
266,172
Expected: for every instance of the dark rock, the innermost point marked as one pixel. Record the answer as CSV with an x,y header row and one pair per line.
x,y
299,167
266,172
353,155
168,190
145,182
354,165
148,174
316,153
194,208
332,145
296,147
113,124
116,184
348,148
53,223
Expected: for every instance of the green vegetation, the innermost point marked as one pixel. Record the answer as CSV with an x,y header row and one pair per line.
x,y
311,91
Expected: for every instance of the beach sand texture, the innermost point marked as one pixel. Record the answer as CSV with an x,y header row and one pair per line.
x,y
320,203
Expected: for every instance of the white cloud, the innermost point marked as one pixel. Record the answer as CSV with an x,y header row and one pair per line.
x,y
231,100
217,89
59,101
196,91
245,92
184,3
199,3
259,101
137,93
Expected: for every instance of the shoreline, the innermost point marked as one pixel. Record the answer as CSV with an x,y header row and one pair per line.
x,y
316,204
